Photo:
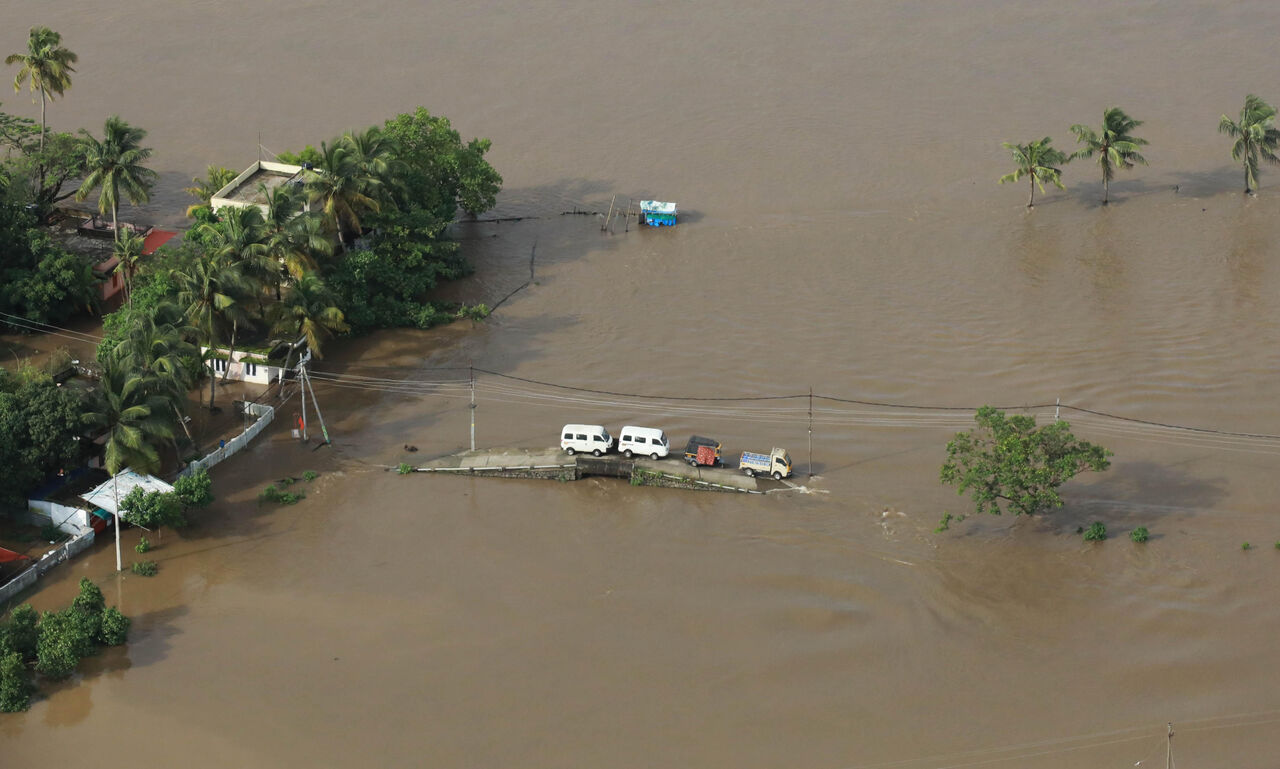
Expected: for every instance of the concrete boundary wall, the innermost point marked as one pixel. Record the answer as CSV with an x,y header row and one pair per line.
x,y
61,553
264,413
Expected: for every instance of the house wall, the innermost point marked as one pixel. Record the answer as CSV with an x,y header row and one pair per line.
x,y
246,367
72,520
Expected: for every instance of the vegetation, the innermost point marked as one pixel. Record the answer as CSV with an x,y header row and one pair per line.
x,y
1009,459
46,66
144,568
216,177
1140,534
277,495
310,475
40,428
405,468
195,489
143,546
39,280
115,165
153,509
1097,532
1256,138
1039,161
1114,145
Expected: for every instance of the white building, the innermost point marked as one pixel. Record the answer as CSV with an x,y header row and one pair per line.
x,y
253,365
246,189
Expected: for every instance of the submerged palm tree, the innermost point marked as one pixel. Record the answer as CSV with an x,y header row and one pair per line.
x,y
216,177
1256,137
46,66
308,310
343,186
115,165
1038,160
130,417
1114,145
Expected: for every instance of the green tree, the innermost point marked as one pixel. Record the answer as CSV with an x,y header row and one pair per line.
x,y
308,310
1009,458
1039,161
209,292
65,639
22,632
115,627
45,168
40,427
194,489
153,509
115,164
1256,138
343,188
439,172
128,250
46,66
215,178
1115,145
15,682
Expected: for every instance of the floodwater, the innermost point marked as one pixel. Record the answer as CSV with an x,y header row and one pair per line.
x,y
842,230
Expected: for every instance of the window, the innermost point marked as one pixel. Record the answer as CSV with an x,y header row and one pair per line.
x,y
568,436
251,369
219,365
582,437
625,438
597,439
640,440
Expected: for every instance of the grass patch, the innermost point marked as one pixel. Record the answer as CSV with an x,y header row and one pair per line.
x,y
310,476
143,546
1097,532
1140,534
144,568
405,468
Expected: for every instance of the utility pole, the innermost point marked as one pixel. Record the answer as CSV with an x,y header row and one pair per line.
x,y
315,403
1057,409
471,369
1168,756
810,431
115,489
302,375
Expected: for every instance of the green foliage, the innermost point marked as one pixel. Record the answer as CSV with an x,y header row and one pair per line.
x,y
194,490
15,682
1140,534
1114,145
50,533
39,279
1009,458
65,639
1096,532
287,481
143,545
90,599
115,166
115,627
153,509
945,523
474,312
22,632
1245,546
441,173
291,497
310,475
144,568
270,494
39,425
1039,161
308,154
1256,137
405,468
203,190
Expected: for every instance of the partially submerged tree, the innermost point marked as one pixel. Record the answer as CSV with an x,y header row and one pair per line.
x,y
115,165
46,66
216,177
1114,145
1009,459
1256,138
1039,161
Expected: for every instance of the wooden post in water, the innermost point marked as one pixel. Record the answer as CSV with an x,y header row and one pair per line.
x,y
609,216
810,431
626,226
472,372
1168,756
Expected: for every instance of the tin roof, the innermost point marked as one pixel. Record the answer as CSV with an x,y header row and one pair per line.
x,y
657,207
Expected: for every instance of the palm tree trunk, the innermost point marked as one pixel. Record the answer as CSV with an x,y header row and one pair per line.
x,y
213,379
182,421
1106,190
115,226
42,119
231,354
1031,201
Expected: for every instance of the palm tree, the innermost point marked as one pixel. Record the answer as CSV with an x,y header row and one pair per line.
x,y
46,66
308,310
216,177
130,417
128,250
1255,137
1039,161
115,164
155,347
1114,145
209,291
343,188
294,237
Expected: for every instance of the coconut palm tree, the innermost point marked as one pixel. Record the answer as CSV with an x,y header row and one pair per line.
x,y
308,310
128,250
295,238
342,187
1256,137
46,66
115,165
1114,145
216,177
130,417
1039,161
156,347
209,291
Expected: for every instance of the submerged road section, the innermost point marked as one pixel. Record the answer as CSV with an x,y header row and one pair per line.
x,y
553,464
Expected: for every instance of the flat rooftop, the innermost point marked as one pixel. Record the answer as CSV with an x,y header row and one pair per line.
x,y
247,188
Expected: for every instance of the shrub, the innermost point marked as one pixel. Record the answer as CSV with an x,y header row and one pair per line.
x,y
15,683
1096,532
269,494
405,468
1140,534
23,632
115,627
144,568
153,509
286,481
310,476
290,498
143,546
195,489
90,599
63,642
1245,546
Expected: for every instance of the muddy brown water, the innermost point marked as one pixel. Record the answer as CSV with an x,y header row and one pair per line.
x,y
842,229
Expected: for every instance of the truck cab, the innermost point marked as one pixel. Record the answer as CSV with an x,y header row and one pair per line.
x,y
776,463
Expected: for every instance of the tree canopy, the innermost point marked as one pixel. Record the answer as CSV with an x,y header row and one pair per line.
x,y
1039,161
1114,145
1008,459
1256,138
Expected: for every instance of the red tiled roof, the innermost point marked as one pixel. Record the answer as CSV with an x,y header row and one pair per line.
x,y
156,238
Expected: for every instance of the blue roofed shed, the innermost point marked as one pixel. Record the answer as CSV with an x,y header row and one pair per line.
x,y
656,213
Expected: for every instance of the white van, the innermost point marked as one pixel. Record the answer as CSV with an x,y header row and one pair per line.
x,y
642,440
589,439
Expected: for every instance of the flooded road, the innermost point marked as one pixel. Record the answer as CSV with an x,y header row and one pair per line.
x,y
843,231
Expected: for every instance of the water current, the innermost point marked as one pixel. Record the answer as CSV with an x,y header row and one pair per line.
x,y
842,229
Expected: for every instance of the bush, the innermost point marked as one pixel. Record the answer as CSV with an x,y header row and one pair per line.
x,y
90,599
64,641
15,683
287,481
1245,546
1096,532
405,468
269,494
290,498
1140,534
143,546
115,627
194,490
144,568
310,476
153,509
22,632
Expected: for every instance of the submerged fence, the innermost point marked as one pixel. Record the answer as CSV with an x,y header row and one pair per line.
x,y
264,414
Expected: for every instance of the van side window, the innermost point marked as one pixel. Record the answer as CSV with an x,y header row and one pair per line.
x,y
626,438
582,437
640,440
568,436
597,439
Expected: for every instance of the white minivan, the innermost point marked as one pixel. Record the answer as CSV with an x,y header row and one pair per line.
x,y
642,440
589,439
